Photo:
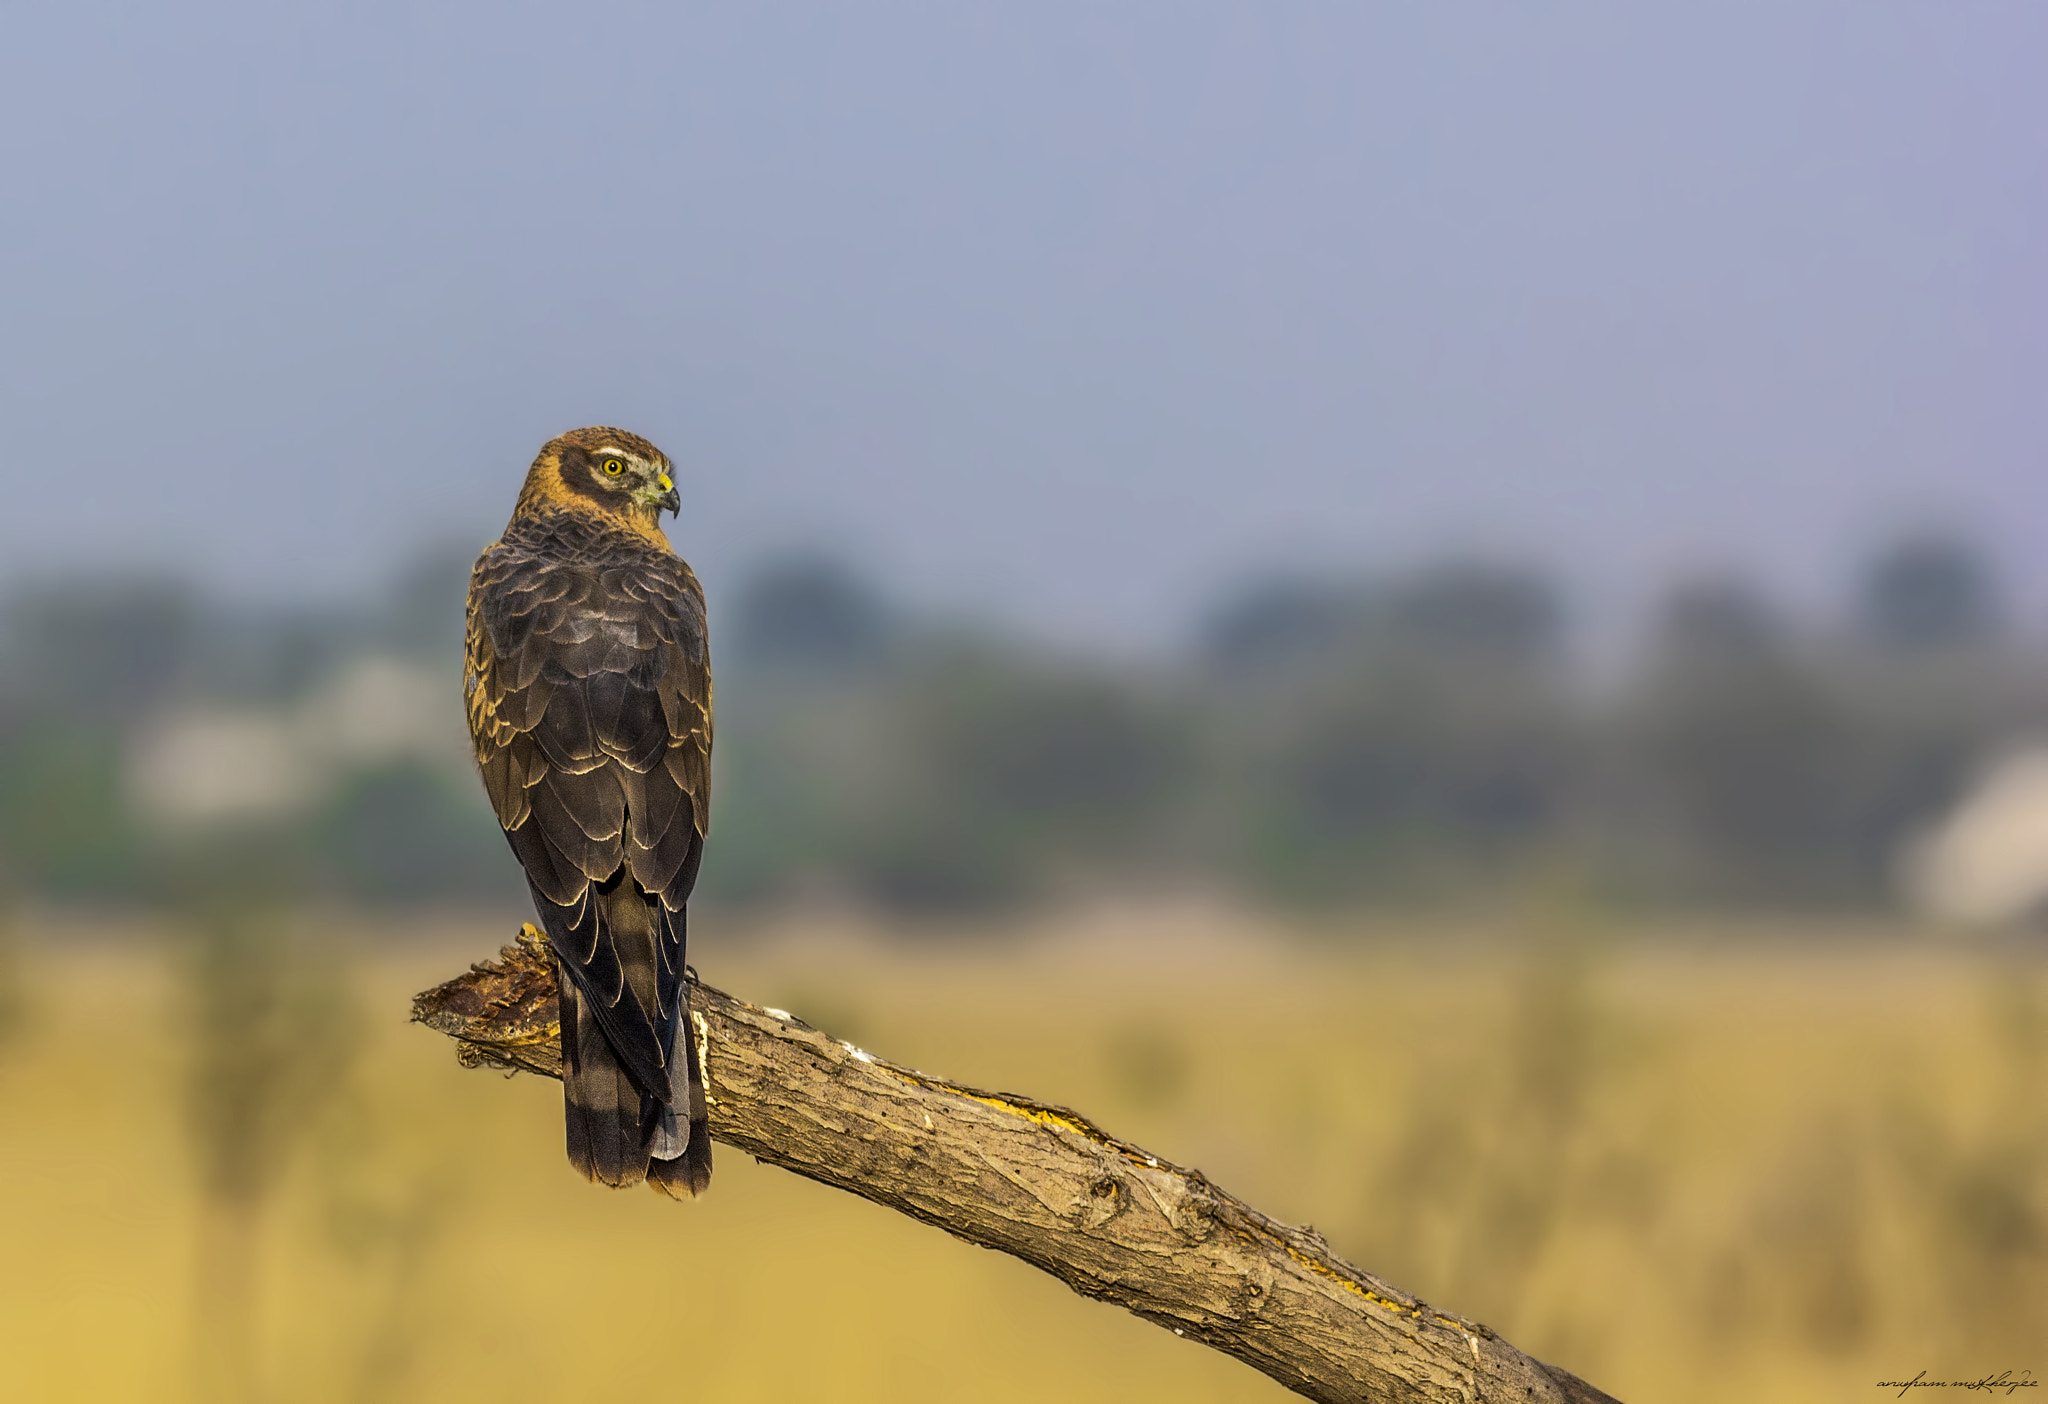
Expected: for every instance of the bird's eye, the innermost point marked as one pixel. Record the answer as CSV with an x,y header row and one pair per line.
x,y
614,467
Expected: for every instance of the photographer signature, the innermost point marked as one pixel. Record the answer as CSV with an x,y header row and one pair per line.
x,y
2007,1380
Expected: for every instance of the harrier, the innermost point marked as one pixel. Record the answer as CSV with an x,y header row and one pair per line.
x,y
588,686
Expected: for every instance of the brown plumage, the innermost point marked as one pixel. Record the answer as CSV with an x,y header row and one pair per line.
x,y
589,694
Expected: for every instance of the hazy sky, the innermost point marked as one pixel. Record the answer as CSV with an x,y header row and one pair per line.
x,y
1074,312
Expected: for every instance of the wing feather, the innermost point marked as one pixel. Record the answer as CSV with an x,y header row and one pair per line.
x,y
594,803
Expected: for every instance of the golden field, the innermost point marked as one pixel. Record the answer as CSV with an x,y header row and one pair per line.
x,y
1753,1161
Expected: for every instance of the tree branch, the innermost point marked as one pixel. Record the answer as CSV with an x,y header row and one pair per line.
x,y
1040,1183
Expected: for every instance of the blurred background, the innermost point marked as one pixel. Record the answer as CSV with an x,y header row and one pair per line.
x,y
1440,613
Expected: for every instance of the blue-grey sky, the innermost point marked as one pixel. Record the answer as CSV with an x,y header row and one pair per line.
x,y
1071,312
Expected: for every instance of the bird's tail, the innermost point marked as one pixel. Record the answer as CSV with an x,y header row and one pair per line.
x,y
620,1133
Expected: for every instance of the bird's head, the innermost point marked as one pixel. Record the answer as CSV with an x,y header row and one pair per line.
x,y
607,469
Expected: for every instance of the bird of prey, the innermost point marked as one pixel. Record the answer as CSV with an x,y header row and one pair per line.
x,y
588,686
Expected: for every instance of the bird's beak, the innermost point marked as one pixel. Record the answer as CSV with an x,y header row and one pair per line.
x,y
671,500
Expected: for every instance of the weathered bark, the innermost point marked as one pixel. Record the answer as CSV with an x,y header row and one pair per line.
x,y
1043,1184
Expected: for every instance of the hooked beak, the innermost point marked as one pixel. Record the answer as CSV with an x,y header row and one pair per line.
x,y
670,501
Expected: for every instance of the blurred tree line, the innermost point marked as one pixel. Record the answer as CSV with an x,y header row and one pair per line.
x,y
1424,737
91,671
1429,736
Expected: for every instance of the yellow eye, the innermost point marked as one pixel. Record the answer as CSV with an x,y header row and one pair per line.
x,y
614,467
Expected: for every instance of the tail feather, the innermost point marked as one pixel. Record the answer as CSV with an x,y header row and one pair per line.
x,y
685,1177
602,1108
670,1139
686,1170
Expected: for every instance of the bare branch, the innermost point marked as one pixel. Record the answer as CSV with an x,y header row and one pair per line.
x,y
1043,1184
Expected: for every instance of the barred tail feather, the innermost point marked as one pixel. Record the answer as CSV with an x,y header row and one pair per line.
x,y
602,1109
685,1170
